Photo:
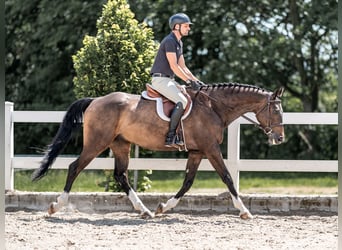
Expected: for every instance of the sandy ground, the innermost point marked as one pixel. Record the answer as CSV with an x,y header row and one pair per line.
x,y
126,230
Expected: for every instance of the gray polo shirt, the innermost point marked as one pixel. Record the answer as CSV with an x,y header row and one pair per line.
x,y
168,44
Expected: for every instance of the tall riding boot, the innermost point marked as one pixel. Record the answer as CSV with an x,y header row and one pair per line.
x,y
172,139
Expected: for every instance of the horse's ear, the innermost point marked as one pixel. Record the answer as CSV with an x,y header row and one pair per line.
x,y
278,93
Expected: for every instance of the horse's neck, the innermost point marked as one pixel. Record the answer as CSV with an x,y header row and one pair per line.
x,y
231,106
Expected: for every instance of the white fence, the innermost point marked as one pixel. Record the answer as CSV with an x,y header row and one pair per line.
x,y
233,161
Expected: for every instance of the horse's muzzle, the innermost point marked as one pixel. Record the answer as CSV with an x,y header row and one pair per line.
x,y
275,139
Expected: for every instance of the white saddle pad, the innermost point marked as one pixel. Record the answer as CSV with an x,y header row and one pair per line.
x,y
160,110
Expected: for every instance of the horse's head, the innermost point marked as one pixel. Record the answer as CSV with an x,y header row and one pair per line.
x,y
270,118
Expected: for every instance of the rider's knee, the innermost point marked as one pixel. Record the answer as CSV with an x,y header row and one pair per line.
x,y
184,101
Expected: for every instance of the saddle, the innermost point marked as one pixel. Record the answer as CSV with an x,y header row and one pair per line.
x,y
164,106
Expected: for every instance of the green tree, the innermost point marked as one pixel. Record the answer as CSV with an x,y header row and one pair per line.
x,y
41,37
267,43
118,58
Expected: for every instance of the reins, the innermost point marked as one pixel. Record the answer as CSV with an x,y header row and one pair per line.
x,y
205,94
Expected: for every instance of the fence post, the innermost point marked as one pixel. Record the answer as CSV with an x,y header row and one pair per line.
x,y
135,180
9,146
233,152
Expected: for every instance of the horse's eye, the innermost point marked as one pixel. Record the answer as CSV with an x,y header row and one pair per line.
x,y
276,110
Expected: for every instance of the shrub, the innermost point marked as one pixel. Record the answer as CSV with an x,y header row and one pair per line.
x,y
143,182
118,58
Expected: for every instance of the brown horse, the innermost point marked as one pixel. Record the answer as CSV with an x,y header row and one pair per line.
x,y
119,119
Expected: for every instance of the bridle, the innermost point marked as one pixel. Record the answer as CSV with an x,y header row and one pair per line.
x,y
268,129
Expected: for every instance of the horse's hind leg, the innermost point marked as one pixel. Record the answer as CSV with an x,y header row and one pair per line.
x,y
74,169
194,159
121,150
94,143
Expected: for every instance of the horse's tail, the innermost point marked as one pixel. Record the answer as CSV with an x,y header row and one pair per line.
x,y
71,122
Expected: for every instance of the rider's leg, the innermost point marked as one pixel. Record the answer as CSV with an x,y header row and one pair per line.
x,y
171,137
168,88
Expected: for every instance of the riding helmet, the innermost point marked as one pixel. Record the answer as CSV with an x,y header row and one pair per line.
x,y
178,18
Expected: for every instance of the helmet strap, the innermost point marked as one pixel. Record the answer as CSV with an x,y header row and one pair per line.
x,y
179,30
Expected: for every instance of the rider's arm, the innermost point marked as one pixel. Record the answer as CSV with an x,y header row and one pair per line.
x,y
185,69
181,72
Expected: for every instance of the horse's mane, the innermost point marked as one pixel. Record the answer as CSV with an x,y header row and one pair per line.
x,y
234,87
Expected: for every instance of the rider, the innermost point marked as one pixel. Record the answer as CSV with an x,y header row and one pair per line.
x,y
169,62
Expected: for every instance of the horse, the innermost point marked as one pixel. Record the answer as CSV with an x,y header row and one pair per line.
x,y
120,119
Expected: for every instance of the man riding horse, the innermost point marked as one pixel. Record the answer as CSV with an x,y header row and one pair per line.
x,y
169,62
118,120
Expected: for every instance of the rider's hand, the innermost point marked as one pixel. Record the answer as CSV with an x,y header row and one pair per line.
x,y
193,84
201,83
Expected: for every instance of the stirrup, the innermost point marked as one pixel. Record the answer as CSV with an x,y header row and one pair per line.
x,y
173,141
178,141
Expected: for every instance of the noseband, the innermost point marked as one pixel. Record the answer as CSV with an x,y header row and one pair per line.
x,y
268,129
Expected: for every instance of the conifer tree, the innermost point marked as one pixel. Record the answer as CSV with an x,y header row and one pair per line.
x,y
118,58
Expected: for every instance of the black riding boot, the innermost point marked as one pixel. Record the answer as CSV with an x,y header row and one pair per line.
x,y
172,139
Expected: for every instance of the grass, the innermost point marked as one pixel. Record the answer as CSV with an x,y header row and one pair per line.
x,y
171,181
54,181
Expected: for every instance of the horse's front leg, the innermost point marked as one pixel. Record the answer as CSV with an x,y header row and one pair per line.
x,y
121,150
193,162
215,157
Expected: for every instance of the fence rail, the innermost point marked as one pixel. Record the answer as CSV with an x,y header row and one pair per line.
x,y
233,161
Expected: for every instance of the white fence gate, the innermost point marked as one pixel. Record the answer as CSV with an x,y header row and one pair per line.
x,y
233,161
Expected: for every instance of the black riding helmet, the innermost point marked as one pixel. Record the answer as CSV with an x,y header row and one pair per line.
x,y
178,18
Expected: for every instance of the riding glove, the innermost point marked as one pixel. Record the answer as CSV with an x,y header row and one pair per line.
x,y
193,84
201,83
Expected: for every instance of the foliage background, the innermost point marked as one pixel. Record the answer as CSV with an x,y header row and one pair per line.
x,y
267,43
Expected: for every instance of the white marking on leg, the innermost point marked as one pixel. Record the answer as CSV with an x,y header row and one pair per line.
x,y
62,200
137,203
171,203
239,205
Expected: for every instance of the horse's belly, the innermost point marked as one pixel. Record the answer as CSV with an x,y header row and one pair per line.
x,y
147,135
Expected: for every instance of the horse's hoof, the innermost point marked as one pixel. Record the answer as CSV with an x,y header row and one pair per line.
x,y
159,209
147,215
246,216
51,209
